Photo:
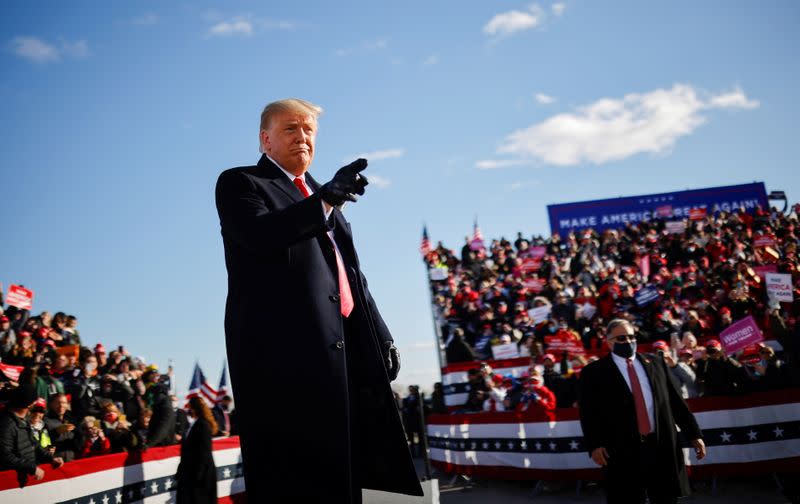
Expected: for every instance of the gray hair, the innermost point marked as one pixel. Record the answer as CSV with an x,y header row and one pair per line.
x,y
618,322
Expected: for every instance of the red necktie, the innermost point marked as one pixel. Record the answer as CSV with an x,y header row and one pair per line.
x,y
638,398
345,295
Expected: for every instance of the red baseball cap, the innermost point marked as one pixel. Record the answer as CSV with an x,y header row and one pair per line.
x,y
4,319
712,343
661,345
99,348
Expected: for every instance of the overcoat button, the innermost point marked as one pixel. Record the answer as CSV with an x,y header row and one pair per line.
x,y
334,298
340,344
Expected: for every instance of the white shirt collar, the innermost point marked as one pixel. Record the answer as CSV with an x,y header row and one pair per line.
x,y
291,177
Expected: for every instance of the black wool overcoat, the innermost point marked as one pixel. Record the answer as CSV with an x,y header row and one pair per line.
x,y
608,419
317,414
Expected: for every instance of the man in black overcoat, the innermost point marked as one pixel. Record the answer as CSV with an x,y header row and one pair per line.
x,y
297,299
628,413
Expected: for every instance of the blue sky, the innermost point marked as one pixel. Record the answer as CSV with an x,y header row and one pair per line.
x,y
117,119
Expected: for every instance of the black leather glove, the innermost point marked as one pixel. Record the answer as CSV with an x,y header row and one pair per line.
x,y
345,184
392,356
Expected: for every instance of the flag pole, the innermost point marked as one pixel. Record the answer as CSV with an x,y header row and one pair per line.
x,y
437,330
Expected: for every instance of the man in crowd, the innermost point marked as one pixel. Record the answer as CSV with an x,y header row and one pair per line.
x,y
222,415
628,413
295,289
18,448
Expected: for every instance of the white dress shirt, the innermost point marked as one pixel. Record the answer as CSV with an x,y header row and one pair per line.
x,y
647,392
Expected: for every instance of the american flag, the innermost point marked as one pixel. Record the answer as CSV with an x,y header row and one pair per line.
x,y
425,246
200,387
222,390
477,237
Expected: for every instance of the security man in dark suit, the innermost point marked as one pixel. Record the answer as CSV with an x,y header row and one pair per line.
x,y
628,413
297,298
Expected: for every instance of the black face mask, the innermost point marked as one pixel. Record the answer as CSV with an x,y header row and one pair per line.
x,y
625,350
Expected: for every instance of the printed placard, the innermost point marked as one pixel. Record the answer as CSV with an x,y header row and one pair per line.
x,y
20,297
779,286
740,334
540,313
505,351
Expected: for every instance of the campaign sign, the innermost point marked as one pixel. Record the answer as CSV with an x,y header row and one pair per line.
x,y
740,334
664,211
20,297
562,341
540,313
779,286
506,351
534,284
697,214
764,241
537,252
11,372
615,213
676,227
530,264
762,270
646,295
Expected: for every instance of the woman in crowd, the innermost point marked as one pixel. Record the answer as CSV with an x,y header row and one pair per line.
x,y
197,473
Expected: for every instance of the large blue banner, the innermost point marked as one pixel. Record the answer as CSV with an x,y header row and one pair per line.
x,y
616,212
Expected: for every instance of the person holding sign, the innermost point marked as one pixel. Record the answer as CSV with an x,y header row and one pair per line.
x,y
296,293
628,413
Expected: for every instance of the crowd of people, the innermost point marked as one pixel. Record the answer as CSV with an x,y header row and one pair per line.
x,y
61,400
681,286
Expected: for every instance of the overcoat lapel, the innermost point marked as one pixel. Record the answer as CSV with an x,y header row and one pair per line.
x,y
279,179
618,379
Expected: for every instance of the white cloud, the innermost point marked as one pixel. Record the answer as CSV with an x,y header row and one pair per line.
x,y
544,99
235,26
378,155
343,52
510,22
34,49
431,60
558,8
38,51
734,99
77,49
378,181
612,129
493,164
146,19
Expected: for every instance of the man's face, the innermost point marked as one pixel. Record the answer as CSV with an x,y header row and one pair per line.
x,y
620,334
62,405
289,140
